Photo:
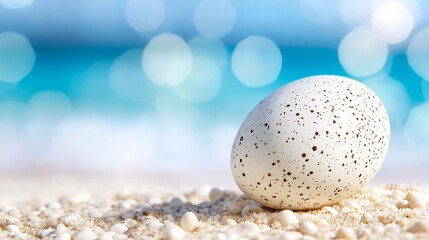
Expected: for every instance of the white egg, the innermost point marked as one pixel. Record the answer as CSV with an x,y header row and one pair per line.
x,y
313,142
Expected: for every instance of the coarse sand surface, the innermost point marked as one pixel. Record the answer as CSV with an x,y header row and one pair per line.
x,y
201,212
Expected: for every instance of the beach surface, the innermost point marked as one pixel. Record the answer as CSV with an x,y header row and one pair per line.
x,y
150,206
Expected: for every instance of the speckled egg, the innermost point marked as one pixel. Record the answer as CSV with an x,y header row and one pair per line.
x,y
313,142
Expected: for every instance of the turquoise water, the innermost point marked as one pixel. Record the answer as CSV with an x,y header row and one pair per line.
x,y
63,70
75,92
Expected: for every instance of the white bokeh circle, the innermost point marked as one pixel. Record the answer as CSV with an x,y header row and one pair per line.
x,y
416,129
17,57
16,4
214,18
394,97
167,60
355,13
211,48
145,15
425,89
418,53
127,79
362,53
172,109
49,104
256,61
318,11
202,84
392,21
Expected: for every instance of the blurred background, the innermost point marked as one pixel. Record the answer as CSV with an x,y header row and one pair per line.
x,y
163,85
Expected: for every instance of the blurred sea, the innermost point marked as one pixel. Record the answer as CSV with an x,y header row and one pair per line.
x,y
134,85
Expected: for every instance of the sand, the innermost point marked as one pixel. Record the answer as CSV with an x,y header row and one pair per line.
x,y
379,212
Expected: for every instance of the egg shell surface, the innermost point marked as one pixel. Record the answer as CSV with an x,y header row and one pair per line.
x,y
311,143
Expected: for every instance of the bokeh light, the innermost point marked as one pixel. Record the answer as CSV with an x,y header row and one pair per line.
x,y
167,60
256,61
128,80
17,57
212,48
145,15
355,13
393,22
49,106
94,138
202,84
92,84
394,97
425,89
362,53
222,138
12,139
176,146
318,11
12,111
214,18
416,129
418,53
46,110
16,4
172,109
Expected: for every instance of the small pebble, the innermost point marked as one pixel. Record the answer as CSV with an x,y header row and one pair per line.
x,y
229,222
72,219
234,207
35,219
12,228
345,210
63,236
244,229
367,218
419,227
176,202
353,205
52,223
119,237
220,236
154,223
54,205
330,210
189,221
308,228
105,236
173,232
202,191
287,218
85,234
415,200
204,204
378,229
130,223
290,235
105,205
60,229
13,221
250,209
402,204
118,228
216,195
128,214
46,232
125,205
345,233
